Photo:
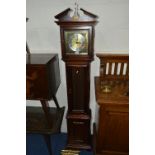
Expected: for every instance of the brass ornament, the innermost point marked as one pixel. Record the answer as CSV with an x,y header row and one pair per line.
x,y
70,152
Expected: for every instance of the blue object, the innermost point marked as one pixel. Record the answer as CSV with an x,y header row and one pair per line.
x,y
35,144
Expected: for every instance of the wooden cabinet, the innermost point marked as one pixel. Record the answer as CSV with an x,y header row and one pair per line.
x,y
113,125
42,82
42,76
112,96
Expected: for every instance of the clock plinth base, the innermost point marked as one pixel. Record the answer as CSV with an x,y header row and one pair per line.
x,y
79,147
79,136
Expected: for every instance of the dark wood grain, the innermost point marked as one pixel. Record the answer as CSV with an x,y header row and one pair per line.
x,y
113,123
87,22
113,129
78,77
42,76
94,139
78,83
42,82
46,109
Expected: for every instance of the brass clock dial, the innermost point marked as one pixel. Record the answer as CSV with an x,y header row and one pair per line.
x,y
76,42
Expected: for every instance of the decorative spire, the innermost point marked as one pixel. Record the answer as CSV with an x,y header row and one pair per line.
x,y
76,13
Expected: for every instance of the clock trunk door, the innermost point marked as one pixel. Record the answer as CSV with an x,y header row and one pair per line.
x,y
78,88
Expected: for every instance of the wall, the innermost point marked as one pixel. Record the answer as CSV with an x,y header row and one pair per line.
x,y
43,36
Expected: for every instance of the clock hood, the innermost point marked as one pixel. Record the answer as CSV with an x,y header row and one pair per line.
x,y
84,16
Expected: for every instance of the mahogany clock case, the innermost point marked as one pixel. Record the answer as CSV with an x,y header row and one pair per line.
x,y
78,84
77,53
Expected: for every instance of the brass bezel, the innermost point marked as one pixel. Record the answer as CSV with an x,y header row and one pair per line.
x,y
70,152
68,34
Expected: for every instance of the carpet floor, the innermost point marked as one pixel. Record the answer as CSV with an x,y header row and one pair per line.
x,y
35,144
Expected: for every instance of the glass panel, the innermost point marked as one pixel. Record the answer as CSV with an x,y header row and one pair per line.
x,y
76,42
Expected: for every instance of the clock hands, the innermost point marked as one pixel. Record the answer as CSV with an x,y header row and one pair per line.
x,y
78,39
77,42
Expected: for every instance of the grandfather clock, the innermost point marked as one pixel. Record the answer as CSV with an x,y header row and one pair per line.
x,y
77,44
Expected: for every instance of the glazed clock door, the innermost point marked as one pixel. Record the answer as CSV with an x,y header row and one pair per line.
x,y
78,88
76,42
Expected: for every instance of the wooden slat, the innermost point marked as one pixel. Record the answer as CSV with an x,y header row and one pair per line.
x,y
117,59
121,69
104,68
101,70
127,69
110,68
115,68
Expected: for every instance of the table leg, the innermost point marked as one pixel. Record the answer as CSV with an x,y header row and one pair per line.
x,y
56,101
46,109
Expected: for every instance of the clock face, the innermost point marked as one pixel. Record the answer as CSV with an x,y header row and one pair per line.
x,y
76,42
